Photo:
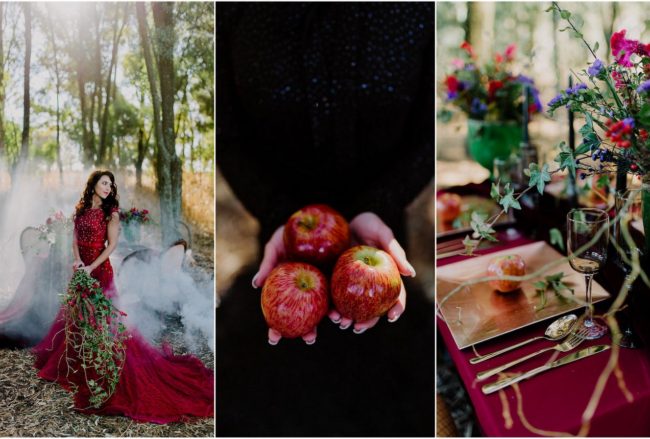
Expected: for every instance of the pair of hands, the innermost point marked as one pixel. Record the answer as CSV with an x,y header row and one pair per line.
x,y
366,228
79,265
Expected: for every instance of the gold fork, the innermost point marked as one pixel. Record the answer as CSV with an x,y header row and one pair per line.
x,y
570,343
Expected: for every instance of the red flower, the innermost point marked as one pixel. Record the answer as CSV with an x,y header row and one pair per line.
x,y
498,58
145,211
452,84
622,48
467,48
510,52
493,86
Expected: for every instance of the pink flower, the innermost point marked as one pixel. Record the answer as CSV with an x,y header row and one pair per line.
x,y
510,52
622,48
457,63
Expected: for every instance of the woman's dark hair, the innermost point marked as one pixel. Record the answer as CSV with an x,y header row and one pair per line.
x,y
109,204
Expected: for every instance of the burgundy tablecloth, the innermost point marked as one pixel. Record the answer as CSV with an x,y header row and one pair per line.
x,y
555,400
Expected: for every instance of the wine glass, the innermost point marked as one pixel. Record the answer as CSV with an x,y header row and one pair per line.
x,y
587,239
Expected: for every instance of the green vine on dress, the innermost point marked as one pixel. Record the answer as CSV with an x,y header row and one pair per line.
x,y
95,337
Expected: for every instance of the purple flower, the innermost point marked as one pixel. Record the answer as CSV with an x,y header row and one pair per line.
x,y
576,88
628,122
595,68
644,87
452,95
478,108
557,100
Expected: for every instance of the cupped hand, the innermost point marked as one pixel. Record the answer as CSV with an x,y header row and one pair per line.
x,y
274,253
368,229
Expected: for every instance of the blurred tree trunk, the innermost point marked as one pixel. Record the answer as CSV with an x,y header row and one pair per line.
x,y
57,75
466,25
95,98
140,158
82,65
168,169
480,16
24,143
609,31
117,35
2,84
556,50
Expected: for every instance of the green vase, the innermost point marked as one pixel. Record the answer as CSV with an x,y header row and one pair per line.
x,y
489,140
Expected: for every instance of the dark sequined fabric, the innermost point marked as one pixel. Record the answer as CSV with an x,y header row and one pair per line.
x,y
325,102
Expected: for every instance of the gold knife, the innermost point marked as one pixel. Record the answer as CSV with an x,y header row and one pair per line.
x,y
584,353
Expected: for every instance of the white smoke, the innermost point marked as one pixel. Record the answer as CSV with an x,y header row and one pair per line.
x,y
153,289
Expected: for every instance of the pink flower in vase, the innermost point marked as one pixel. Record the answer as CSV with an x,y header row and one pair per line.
x,y
622,48
510,52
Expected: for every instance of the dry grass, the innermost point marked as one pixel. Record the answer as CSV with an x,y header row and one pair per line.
x,y
30,406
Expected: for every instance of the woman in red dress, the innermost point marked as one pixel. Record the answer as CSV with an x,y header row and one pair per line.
x,y
154,385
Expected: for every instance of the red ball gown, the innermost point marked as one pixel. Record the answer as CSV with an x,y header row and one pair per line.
x,y
154,385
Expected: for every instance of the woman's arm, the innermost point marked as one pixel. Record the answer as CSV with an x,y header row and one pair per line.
x,y
75,252
113,235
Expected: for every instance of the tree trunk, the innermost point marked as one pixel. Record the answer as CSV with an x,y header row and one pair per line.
x,y
2,84
117,35
481,29
24,144
165,164
57,74
140,159
163,16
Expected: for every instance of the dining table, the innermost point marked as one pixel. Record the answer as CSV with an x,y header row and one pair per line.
x,y
576,398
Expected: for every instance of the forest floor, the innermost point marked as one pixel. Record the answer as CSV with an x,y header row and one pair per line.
x,y
30,406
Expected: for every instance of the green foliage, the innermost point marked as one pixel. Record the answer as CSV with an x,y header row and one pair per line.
x,y
553,283
538,177
556,238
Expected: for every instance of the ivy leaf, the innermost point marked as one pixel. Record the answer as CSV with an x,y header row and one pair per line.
x,y
556,238
566,159
481,228
538,177
596,46
509,200
470,245
565,14
495,192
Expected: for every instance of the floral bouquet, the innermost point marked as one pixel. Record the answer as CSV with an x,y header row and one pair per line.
x,y
134,215
615,101
94,336
55,224
491,92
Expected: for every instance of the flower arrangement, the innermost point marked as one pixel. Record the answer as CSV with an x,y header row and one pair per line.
x,y
615,101
491,92
134,215
94,336
55,224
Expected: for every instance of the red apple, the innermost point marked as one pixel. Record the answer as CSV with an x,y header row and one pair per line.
x,y
448,206
365,284
509,265
316,234
294,298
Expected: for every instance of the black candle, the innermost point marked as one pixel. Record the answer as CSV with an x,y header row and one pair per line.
x,y
572,134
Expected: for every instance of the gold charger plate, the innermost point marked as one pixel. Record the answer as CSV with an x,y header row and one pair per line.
x,y
478,313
